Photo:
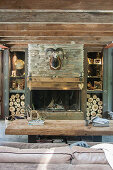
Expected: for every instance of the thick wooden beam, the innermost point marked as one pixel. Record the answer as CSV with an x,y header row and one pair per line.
x,y
56,17
89,47
53,33
87,39
59,4
58,27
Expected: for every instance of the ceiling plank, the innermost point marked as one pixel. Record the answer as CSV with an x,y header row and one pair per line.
x,y
51,40
58,27
56,17
53,33
57,4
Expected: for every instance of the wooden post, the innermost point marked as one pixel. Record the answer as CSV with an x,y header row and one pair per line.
x,y
0,83
84,90
6,82
27,91
108,81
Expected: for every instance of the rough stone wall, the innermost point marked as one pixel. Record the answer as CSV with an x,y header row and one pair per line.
x,y
72,64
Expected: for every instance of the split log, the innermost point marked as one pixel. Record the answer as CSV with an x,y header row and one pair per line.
x,y
15,103
94,102
100,107
12,96
18,100
18,105
93,113
99,115
94,96
12,113
11,104
22,111
18,109
15,107
22,115
88,103
10,99
12,109
17,113
99,111
17,96
88,114
100,103
90,100
88,96
22,97
98,99
95,107
22,103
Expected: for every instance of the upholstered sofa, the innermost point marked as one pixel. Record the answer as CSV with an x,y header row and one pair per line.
x,y
50,156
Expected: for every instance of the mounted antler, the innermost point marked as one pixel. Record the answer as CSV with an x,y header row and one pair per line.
x,y
49,51
60,52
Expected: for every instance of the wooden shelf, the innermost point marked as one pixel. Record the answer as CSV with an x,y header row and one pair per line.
x,y
95,64
19,77
94,91
17,91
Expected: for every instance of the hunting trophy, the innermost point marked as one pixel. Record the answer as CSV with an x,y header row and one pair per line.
x,y
55,57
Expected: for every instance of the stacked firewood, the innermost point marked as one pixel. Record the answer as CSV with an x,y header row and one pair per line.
x,y
94,106
17,104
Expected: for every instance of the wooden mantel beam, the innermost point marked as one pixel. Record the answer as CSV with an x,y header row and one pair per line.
x,y
56,17
57,4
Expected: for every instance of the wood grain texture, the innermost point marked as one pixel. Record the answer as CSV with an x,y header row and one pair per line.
x,y
57,127
53,80
56,17
42,21
59,4
65,115
42,39
54,33
53,86
57,27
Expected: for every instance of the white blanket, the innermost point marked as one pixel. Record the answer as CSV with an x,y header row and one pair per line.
x,y
108,150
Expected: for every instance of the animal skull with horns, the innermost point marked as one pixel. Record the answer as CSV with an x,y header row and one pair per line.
x,y
55,57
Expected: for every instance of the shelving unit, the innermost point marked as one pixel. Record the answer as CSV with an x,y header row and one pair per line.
x,y
17,91
94,85
94,91
17,83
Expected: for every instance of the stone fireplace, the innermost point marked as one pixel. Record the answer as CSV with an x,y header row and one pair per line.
x,y
57,92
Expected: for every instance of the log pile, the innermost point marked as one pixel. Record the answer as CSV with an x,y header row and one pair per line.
x,y
94,106
17,105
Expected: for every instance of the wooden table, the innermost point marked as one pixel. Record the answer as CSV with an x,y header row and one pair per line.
x,y
58,128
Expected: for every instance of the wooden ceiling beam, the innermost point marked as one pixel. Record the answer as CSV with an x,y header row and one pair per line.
x,y
53,33
59,4
56,17
51,40
58,27
89,47
70,38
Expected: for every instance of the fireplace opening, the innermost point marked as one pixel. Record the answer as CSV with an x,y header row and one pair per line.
x,y
56,100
